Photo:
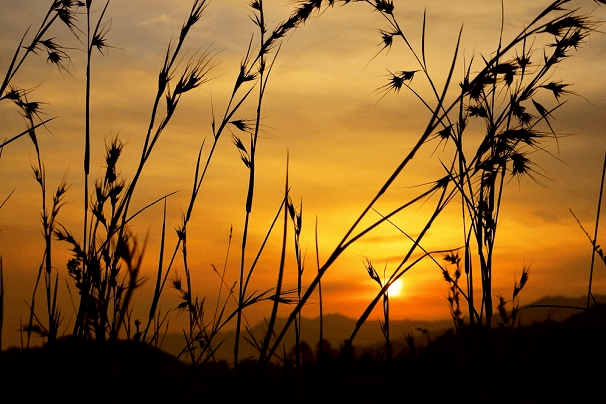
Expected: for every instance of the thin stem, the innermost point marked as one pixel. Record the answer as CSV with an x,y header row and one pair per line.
x,y
595,234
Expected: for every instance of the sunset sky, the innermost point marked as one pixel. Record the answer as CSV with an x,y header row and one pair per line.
x,y
343,138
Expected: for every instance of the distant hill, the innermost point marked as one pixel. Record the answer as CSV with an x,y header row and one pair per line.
x,y
556,308
338,328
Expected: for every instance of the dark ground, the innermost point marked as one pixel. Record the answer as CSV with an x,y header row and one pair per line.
x,y
546,362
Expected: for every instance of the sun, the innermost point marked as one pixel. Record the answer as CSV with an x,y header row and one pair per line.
x,y
396,288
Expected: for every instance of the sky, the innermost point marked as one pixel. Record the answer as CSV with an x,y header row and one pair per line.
x,y
343,139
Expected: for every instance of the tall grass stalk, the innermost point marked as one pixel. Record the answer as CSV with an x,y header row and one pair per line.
x,y
94,39
296,217
595,234
267,44
372,272
320,303
48,227
274,311
251,165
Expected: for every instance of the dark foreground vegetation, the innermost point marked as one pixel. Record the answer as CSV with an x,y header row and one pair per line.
x,y
507,97
549,362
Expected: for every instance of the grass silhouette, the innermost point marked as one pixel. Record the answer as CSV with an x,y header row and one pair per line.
x,y
113,355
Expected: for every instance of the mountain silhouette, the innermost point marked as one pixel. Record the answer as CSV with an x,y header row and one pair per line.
x,y
338,328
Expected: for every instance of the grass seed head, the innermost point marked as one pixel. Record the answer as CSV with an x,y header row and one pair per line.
x,y
14,94
505,69
372,272
239,144
29,108
387,39
397,80
523,135
385,6
452,258
445,133
195,74
523,61
477,110
242,125
558,89
519,111
573,39
520,164
176,283
66,15
523,279
561,26
99,39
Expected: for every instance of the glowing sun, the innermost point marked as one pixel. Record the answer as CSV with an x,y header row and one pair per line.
x,y
396,288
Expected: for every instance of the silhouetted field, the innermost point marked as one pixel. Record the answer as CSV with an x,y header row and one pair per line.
x,y
542,363
490,115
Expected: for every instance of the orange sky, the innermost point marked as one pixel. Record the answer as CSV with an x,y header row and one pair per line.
x,y
344,140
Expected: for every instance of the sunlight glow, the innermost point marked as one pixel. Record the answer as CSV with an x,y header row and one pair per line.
x,y
395,289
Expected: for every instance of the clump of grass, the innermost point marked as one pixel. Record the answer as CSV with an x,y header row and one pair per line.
x,y
59,12
508,320
296,217
372,272
454,290
107,243
49,221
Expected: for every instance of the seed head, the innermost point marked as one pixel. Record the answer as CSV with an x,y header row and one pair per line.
x,y
385,6
507,70
239,144
519,112
520,164
563,25
452,258
99,41
372,272
14,94
477,110
397,80
67,16
445,133
195,74
523,61
558,89
387,38
176,283
242,125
